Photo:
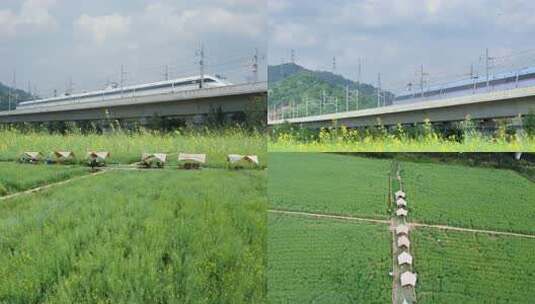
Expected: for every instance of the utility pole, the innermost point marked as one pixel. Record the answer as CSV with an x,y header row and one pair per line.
x,y
322,101
334,64
379,90
487,65
166,72
255,66
69,86
347,98
13,91
358,81
123,76
200,53
306,105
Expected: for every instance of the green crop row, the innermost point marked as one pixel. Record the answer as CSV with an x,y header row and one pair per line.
x,y
470,197
324,261
329,183
460,267
17,177
138,237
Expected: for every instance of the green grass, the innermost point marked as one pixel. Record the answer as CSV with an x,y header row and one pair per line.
x,y
459,267
324,261
127,148
470,197
138,237
329,183
15,177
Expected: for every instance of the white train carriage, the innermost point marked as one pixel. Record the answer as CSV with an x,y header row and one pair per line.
x,y
168,86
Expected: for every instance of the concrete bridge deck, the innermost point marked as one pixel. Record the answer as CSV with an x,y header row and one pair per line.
x,y
502,104
231,99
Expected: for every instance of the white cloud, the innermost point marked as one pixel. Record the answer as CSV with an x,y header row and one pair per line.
x,y
292,34
100,28
209,19
33,15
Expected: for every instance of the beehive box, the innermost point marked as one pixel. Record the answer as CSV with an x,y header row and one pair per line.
x,y
153,160
97,159
237,161
191,161
31,157
62,157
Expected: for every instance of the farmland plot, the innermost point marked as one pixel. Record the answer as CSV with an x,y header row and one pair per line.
x,y
326,261
458,267
463,196
329,183
17,177
138,237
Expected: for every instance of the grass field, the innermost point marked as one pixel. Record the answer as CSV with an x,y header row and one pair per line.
x,y
127,148
347,140
15,177
325,261
459,267
391,145
138,237
329,183
470,197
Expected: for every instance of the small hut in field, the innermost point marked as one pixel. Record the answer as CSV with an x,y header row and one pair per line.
x,y
402,230
402,212
191,161
63,157
97,159
403,242
408,279
241,161
31,157
153,160
400,202
405,258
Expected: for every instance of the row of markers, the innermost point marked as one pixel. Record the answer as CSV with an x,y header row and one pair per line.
x,y
148,160
408,278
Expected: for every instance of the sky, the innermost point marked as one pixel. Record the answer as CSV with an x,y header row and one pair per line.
x,y
48,42
396,37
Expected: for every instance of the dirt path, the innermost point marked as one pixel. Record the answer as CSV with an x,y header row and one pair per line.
x,y
329,216
491,232
45,187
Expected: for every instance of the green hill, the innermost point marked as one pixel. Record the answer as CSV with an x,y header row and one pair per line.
x,y
4,97
305,90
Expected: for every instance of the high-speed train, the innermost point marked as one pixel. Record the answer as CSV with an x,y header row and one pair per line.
x,y
498,82
115,92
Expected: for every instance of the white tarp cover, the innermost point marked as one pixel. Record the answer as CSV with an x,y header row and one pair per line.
x,y
64,154
402,212
400,194
102,155
404,258
402,229
403,241
235,158
408,279
401,202
160,156
33,155
198,158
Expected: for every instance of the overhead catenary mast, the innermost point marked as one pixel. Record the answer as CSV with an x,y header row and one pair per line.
x,y
200,53
359,74
255,66
379,90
